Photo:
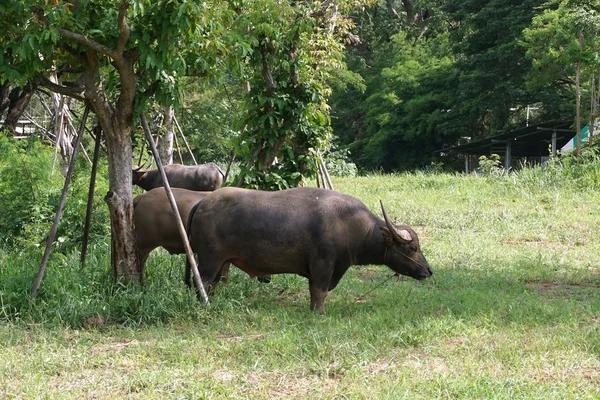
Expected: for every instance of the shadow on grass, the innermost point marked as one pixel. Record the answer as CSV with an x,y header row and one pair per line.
x,y
88,298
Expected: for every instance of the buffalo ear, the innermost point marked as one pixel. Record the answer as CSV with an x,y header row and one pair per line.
x,y
388,236
403,236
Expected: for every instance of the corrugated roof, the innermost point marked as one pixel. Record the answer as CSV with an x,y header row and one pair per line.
x,y
531,141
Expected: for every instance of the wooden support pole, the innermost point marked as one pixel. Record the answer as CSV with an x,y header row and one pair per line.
x,y
180,227
231,160
178,148
61,204
327,177
90,202
187,146
318,173
508,156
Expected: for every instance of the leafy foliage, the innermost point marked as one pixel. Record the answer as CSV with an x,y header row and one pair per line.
x,y
30,188
294,48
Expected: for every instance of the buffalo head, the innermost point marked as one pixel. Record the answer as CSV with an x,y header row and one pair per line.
x,y
403,253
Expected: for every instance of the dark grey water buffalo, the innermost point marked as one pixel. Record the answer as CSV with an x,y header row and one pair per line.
x,y
310,232
203,177
155,223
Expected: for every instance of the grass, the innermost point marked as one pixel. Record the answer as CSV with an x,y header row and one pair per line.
x,y
512,311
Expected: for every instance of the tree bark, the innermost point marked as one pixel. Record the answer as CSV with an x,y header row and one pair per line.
x,y
117,122
19,99
120,200
165,138
578,96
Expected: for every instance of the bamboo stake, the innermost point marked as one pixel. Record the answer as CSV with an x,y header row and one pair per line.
x,y
58,129
318,173
141,153
180,227
184,140
229,166
61,204
328,178
178,148
90,203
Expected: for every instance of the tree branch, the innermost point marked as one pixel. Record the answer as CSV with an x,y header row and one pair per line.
x,y
74,92
84,40
123,29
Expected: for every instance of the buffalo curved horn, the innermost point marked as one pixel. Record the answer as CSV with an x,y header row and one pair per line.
x,y
402,235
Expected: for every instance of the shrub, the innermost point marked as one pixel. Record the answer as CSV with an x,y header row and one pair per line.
x,y
490,166
30,189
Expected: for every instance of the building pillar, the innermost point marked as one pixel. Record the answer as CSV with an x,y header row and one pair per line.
x,y
467,157
508,156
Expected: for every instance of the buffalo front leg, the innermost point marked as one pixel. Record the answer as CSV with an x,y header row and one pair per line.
x,y
320,277
318,292
317,299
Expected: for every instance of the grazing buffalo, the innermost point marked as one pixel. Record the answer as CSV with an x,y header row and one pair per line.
x,y
155,223
203,177
311,232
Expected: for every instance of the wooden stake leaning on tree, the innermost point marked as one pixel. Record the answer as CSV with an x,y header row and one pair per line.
x,y
322,171
61,204
187,146
180,227
318,175
327,177
90,203
178,148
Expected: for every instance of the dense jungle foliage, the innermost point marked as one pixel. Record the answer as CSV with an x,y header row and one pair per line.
x,y
391,83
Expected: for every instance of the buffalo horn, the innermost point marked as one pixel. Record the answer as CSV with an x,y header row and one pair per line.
x,y
402,235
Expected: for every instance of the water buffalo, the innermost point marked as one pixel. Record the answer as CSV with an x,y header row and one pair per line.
x,y
203,177
155,223
311,232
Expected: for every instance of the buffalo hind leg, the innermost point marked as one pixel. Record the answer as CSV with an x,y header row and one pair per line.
x,y
225,273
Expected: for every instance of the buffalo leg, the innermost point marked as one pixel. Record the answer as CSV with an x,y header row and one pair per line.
x,y
317,296
318,283
225,273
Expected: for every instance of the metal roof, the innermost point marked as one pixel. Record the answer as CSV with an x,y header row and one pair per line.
x,y
530,141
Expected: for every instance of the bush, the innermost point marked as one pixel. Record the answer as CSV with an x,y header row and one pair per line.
x,y
338,164
490,166
30,190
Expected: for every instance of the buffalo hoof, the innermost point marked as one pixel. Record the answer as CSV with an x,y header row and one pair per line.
x,y
264,278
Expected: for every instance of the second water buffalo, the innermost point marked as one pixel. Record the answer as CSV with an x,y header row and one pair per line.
x,y
311,232
155,222
203,177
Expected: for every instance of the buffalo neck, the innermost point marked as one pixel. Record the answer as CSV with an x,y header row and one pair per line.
x,y
373,249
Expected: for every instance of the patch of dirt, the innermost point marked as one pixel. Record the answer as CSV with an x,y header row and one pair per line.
x,y
564,290
368,274
93,322
287,295
275,385
238,339
103,348
532,242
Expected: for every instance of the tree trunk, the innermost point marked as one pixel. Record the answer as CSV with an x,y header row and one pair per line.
x,y
578,96
120,201
165,138
19,99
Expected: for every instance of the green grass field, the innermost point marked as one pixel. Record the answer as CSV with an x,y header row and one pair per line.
x,y
512,312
